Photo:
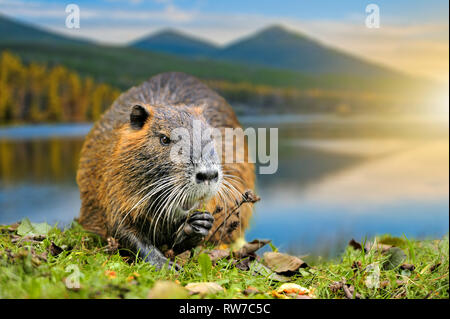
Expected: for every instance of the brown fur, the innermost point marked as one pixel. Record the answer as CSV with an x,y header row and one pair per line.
x,y
110,174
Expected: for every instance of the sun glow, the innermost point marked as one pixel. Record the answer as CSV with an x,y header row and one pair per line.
x,y
441,102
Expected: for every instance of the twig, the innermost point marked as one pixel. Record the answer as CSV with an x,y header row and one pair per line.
x,y
247,197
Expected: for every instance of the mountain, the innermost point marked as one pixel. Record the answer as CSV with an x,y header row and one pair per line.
x,y
279,48
173,42
14,31
274,47
124,66
238,80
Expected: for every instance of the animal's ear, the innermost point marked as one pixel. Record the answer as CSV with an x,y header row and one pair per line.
x,y
139,115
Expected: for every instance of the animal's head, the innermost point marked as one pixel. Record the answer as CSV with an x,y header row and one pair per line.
x,y
170,159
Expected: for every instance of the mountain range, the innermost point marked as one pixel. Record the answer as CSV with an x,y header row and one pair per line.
x,y
274,47
274,57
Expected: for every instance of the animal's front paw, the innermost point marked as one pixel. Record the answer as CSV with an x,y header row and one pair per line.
x,y
193,231
198,224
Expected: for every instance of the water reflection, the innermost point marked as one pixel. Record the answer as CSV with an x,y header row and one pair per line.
x,y
334,182
36,161
354,191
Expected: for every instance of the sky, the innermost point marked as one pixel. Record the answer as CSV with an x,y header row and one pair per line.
x,y
413,35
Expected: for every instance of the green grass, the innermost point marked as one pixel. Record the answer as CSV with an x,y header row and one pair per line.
x,y
24,275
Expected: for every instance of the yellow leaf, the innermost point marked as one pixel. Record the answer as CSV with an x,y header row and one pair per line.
x,y
111,274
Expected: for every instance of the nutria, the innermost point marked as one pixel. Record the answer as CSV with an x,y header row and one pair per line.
x,y
132,191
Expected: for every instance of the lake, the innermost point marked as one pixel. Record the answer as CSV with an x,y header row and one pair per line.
x,y
338,178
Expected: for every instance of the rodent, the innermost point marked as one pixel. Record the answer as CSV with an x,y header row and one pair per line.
x,y
132,191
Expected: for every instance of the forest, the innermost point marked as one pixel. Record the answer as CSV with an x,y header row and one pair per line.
x,y
36,93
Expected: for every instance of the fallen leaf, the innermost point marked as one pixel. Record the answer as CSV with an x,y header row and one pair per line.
x,y
370,246
276,294
409,267
204,288
183,258
291,288
27,228
251,291
283,263
165,289
111,274
13,227
217,254
383,248
349,292
250,248
336,286
29,238
396,257
243,264
265,271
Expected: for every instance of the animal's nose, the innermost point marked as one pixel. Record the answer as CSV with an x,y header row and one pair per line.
x,y
207,176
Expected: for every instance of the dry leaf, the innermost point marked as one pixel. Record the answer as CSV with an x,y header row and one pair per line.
x,y
379,247
111,274
409,267
165,289
265,271
369,246
349,291
243,264
336,286
218,254
204,288
250,248
283,263
251,291
291,288
278,295
183,258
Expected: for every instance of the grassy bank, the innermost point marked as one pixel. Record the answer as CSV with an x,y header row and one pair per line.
x,y
47,265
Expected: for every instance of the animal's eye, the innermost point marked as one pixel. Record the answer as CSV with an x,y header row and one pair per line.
x,y
164,140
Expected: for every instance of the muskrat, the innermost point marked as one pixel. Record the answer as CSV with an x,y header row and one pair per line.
x,y
130,188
